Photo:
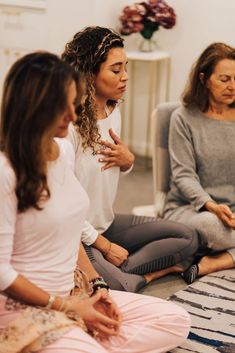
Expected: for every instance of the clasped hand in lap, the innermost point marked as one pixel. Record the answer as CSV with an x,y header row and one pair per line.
x,y
100,314
223,212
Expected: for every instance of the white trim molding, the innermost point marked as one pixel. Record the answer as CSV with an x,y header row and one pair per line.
x,y
16,6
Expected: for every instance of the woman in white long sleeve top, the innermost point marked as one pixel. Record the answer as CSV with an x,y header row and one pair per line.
x,y
46,305
127,251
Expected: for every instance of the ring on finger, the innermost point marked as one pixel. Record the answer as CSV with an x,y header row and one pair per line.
x,y
95,333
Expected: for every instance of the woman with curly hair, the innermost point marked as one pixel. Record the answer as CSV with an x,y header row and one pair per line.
x,y
128,251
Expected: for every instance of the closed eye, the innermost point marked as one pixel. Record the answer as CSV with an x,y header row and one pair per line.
x,y
224,78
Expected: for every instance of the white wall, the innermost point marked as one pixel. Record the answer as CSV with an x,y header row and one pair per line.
x,y
199,23
23,31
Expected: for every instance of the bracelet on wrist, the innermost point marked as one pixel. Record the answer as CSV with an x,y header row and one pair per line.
x,y
64,305
98,283
50,302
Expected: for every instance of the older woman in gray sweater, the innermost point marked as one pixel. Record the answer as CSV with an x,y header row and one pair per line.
x,y
202,152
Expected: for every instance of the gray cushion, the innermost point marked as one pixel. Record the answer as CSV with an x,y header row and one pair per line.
x,y
161,160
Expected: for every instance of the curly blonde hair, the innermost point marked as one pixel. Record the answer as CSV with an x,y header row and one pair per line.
x,y
85,53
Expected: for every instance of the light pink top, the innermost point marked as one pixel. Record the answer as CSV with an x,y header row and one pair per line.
x,y
42,245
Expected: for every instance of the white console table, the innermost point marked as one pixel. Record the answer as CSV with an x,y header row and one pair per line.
x,y
155,59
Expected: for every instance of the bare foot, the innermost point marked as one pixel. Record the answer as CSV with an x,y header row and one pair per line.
x,y
158,274
209,264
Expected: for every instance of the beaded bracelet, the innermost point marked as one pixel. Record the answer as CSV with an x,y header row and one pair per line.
x,y
98,283
64,305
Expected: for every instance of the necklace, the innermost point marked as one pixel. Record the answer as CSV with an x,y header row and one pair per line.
x,y
103,114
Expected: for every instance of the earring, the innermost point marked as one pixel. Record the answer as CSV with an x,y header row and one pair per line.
x,y
201,78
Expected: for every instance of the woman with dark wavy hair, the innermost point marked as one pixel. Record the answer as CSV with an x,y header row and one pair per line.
x,y
202,151
47,304
128,251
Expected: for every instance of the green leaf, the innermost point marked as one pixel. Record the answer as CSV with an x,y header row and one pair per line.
x,y
149,29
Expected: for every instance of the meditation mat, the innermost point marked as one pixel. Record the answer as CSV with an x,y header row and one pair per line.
x,y
210,301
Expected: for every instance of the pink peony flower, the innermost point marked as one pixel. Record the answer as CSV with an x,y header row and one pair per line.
x,y
146,17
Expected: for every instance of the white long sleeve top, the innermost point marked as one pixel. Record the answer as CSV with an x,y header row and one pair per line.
x,y
42,245
101,187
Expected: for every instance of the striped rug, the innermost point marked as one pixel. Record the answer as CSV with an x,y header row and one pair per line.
x,y
211,303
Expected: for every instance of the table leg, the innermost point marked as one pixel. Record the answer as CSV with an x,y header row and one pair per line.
x,y
131,104
151,92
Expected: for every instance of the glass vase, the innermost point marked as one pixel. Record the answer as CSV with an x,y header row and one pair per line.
x,y
147,45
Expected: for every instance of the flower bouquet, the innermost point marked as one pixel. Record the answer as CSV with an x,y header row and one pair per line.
x,y
146,17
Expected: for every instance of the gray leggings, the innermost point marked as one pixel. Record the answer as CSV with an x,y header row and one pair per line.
x,y
153,245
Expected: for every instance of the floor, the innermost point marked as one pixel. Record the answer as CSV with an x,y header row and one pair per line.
x,y
136,189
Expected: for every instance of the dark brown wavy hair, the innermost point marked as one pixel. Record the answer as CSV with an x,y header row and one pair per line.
x,y
85,53
34,94
196,94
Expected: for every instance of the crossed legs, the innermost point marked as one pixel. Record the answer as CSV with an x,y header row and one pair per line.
x,y
217,237
155,248
150,325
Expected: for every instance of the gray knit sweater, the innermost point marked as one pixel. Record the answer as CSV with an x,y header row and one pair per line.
x,y
202,154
